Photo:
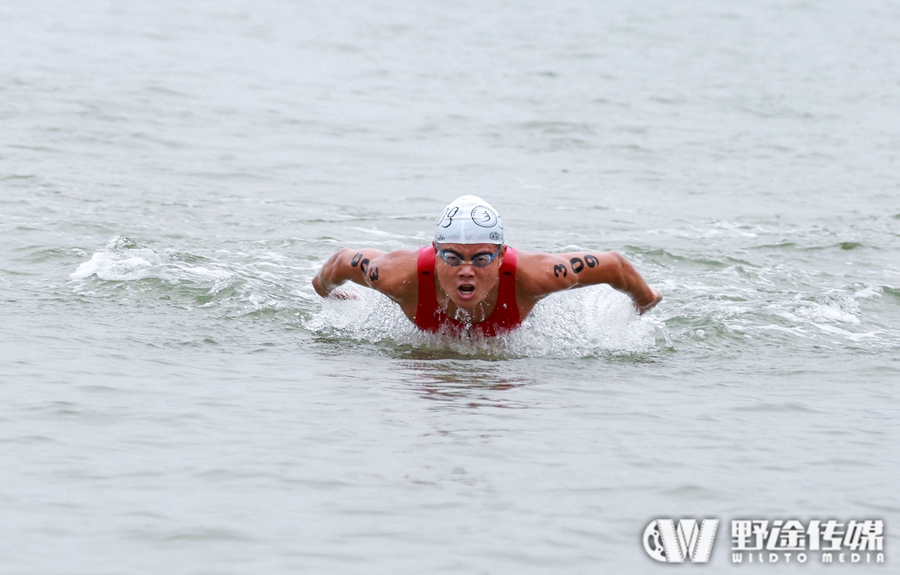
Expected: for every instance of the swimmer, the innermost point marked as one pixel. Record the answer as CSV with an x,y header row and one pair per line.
x,y
469,280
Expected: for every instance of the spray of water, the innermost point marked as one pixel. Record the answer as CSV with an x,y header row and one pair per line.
x,y
725,306
581,323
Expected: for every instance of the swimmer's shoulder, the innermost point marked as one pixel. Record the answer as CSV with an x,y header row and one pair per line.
x,y
539,274
394,274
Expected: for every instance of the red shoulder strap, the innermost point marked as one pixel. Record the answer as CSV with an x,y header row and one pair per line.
x,y
427,306
508,279
506,315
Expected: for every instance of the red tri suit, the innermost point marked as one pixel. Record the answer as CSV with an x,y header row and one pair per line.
x,y
431,317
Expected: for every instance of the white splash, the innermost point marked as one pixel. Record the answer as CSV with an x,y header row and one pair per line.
x,y
121,260
580,323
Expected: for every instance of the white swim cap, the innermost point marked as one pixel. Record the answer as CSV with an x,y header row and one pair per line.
x,y
469,220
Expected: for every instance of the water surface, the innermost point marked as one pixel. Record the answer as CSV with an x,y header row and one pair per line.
x,y
177,399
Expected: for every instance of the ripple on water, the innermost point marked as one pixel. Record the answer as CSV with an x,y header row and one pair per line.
x,y
724,306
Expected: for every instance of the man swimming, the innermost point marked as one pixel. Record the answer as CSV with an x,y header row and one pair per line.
x,y
469,280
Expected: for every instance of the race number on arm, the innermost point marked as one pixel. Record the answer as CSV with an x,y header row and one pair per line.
x,y
541,274
391,273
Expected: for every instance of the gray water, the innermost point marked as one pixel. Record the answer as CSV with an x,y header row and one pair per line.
x,y
176,398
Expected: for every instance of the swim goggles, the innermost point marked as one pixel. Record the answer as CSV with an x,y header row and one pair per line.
x,y
482,260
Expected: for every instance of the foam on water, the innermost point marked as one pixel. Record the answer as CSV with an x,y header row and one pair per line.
x,y
776,307
721,305
116,264
581,323
595,321
205,281
124,260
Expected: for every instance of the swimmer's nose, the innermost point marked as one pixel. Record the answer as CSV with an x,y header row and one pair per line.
x,y
466,270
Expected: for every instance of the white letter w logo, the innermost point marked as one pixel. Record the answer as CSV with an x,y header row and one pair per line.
x,y
668,543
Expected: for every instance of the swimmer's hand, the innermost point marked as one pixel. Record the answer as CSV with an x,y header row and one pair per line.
x,y
333,292
341,294
645,306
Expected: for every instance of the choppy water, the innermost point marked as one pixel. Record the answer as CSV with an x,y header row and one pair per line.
x,y
177,399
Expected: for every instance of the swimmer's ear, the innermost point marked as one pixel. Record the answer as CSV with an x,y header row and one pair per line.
x,y
434,245
500,255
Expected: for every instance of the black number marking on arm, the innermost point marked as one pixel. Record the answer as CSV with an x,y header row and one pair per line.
x,y
590,260
560,268
355,260
577,265
373,275
364,265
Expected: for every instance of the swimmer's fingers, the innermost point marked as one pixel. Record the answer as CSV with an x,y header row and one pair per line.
x,y
341,294
645,307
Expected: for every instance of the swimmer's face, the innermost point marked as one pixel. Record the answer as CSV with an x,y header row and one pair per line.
x,y
471,281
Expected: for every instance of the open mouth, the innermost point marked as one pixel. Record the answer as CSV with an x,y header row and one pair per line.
x,y
466,290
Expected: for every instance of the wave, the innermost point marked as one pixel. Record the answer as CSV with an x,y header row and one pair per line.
x,y
732,304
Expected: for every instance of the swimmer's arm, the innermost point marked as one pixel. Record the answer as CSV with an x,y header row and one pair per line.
x,y
345,265
542,274
391,273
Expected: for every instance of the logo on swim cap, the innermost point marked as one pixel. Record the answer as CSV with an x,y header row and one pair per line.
x,y
484,216
446,219
469,220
